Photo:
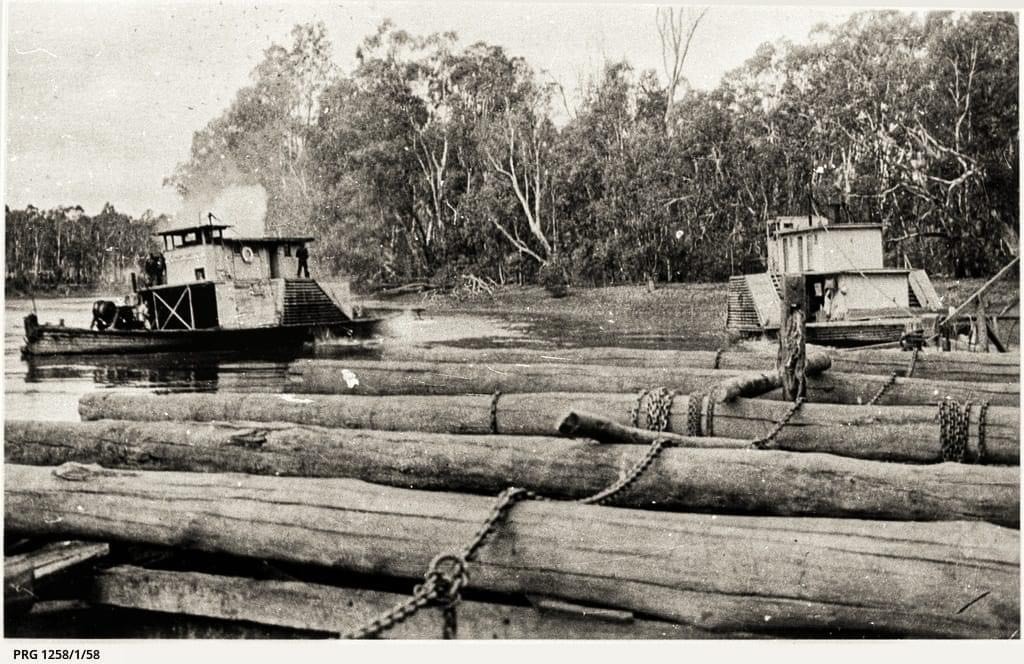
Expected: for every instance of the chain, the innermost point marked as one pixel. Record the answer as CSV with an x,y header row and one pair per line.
x,y
693,413
443,587
765,442
885,386
913,363
954,422
709,429
659,408
718,358
634,411
982,413
635,472
494,411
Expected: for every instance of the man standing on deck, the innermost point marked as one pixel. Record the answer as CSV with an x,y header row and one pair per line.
x,y
303,255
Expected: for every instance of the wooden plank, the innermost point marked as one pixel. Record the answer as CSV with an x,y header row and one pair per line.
x,y
736,480
23,571
888,433
980,292
923,290
722,573
335,610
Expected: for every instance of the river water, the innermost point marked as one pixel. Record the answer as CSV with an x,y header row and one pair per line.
x,y
49,388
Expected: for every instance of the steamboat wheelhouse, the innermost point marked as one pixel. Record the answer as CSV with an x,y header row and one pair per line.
x,y
852,298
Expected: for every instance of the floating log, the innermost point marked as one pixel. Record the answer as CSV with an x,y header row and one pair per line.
x,y
723,573
333,610
886,433
389,378
930,364
740,481
22,571
957,366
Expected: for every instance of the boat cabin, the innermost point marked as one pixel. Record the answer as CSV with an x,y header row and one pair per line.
x,y
845,274
209,279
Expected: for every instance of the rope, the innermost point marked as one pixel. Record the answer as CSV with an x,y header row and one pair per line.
x,y
494,411
765,442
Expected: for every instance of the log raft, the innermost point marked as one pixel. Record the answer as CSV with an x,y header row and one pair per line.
x,y
737,481
371,378
722,573
992,368
885,433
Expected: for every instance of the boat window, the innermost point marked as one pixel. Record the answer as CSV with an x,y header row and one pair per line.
x,y
287,250
200,274
176,240
190,239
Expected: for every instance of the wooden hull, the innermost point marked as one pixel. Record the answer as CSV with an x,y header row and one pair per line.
x,y
56,340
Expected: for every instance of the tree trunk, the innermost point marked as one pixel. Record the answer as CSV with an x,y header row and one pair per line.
x,y
724,573
737,481
404,378
929,364
888,433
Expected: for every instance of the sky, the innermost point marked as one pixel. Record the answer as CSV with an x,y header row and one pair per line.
x,y
103,96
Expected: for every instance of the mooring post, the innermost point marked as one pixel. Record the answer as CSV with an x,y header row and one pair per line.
x,y
980,326
791,361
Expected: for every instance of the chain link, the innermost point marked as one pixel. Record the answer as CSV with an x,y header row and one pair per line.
x,y
913,363
634,411
694,409
954,423
885,386
982,419
766,441
444,587
659,408
603,496
494,411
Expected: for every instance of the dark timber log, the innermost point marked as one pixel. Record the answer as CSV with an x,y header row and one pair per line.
x,y
757,384
388,378
330,609
741,481
930,364
888,433
577,424
725,573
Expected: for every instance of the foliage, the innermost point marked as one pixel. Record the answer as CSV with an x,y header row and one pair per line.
x,y
428,160
61,247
